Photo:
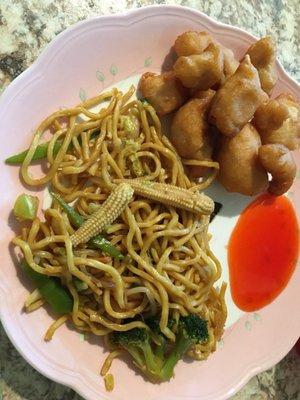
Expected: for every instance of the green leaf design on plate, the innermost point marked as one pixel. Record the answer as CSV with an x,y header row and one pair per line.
x,y
82,337
148,62
248,325
221,343
257,316
82,95
100,76
113,69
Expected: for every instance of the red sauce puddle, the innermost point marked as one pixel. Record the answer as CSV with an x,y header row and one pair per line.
x,y
263,251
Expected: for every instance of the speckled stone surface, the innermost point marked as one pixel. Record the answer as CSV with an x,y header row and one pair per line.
x,y
26,26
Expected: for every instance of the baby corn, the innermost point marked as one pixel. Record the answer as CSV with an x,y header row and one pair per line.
x,y
173,196
107,213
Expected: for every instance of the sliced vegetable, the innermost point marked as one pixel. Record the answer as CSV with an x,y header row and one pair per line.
x,y
25,207
75,218
39,154
51,290
80,285
99,242
41,151
134,147
96,242
131,125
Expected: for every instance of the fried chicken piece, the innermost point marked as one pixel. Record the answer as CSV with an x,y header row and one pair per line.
x,y
270,116
240,170
201,71
278,121
237,100
203,94
190,131
279,162
263,56
230,63
191,42
165,92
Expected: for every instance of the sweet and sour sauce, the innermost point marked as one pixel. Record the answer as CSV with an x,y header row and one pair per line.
x,y
263,251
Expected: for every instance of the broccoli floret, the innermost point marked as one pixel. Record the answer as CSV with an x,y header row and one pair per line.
x,y
191,330
151,355
138,342
160,338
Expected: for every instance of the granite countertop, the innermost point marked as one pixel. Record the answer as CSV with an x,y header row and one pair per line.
x,y
26,26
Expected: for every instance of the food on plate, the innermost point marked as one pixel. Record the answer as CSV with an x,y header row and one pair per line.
x,y
191,42
122,248
230,63
25,207
279,162
191,135
270,116
189,131
165,92
203,94
109,382
158,364
237,100
263,258
201,71
263,56
239,167
223,97
278,121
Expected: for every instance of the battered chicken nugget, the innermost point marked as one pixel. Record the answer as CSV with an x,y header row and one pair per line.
x,y
201,71
165,92
203,94
279,162
278,121
230,63
237,100
270,116
191,42
263,57
240,170
189,130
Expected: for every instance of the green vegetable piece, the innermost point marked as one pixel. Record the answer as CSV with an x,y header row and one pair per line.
x,y
138,342
99,242
80,285
41,151
150,351
75,218
39,154
51,290
129,126
191,330
153,323
96,242
25,207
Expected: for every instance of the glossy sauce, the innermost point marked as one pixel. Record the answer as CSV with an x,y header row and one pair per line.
x,y
263,251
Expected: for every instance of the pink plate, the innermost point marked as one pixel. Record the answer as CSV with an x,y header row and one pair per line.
x,y
80,62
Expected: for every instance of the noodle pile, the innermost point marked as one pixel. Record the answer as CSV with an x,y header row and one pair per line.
x,y
168,268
